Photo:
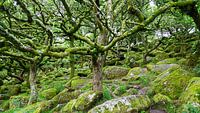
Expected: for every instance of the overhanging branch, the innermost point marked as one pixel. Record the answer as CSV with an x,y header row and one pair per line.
x,y
148,21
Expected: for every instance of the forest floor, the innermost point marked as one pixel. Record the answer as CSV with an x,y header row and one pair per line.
x,y
163,85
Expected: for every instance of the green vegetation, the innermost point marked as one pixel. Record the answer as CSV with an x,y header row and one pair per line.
x,y
99,56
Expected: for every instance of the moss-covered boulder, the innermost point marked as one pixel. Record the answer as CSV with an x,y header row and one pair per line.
x,y
160,98
159,68
57,108
137,71
112,72
168,61
18,101
27,109
128,104
61,98
172,82
87,100
77,82
192,92
49,93
69,107
65,96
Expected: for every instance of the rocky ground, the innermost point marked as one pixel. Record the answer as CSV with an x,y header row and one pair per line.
x,y
164,85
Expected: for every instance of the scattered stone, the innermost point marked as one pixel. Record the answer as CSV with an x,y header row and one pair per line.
x,y
69,107
49,93
87,100
137,86
159,68
137,71
157,111
159,98
167,61
128,104
65,96
143,91
113,72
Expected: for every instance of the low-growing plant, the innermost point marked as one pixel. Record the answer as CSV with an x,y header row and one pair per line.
x,y
191,108
106,93
122,89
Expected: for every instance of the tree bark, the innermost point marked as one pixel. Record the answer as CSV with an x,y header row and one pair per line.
x,y
98,59
97,73
33,85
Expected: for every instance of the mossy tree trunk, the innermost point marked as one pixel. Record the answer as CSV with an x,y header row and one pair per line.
x,y
97,73
98,58
33,85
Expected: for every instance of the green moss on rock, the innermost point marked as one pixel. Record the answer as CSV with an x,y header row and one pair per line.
x,y
136,71
112,72
62,98
65,96
28,109
172,82
49,93
87,100
18,101
128,104
168,61
77,83
69,107
159,68
192,92
160,98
